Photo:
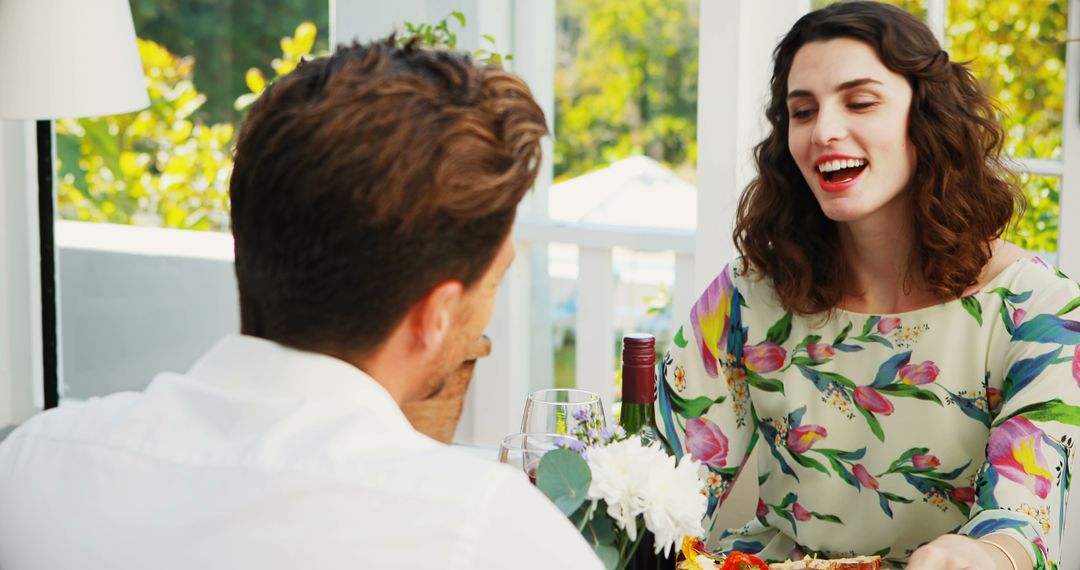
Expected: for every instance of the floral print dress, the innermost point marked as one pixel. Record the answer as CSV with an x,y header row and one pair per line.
x,y
877,433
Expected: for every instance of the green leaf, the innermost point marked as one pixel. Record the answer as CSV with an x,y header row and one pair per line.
x,y
460,17
1053,411
973,307
843,334
789,500
691,408
680,340
827,518
839,379
1069,307
780,331
804,361
883,552
909,391
869,324
564,477
600,530
875,425
765,384
896,498
810,463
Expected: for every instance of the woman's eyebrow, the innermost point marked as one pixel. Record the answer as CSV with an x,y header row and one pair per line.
x,y
845,86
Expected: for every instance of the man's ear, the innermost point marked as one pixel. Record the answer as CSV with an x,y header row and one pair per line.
x,y
432,316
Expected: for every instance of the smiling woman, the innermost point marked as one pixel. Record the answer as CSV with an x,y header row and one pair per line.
x,y
907,371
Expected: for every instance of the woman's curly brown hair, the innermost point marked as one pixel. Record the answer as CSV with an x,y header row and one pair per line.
x,y
962,194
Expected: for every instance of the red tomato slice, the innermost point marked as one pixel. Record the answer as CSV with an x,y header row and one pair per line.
x,y
742,561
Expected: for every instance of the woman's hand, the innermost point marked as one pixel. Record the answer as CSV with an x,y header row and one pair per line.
x,y
958,552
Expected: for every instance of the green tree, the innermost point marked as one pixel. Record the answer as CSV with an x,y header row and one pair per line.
x,y
625,82
226,37
1016,49
167,165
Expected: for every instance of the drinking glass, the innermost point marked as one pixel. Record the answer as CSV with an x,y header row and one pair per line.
x,y
524,450
562,411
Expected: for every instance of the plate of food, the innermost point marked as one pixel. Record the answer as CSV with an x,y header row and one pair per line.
x,y
695,556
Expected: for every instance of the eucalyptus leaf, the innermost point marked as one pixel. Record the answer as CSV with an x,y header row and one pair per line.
x,y
564,477
609,555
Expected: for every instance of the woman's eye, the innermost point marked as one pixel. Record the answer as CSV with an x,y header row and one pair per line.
x,y
802,114
861,105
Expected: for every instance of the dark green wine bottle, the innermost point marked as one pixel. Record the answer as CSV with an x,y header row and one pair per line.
x,y
638,416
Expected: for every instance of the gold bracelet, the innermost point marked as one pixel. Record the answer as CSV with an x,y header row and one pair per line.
x,y
1003,550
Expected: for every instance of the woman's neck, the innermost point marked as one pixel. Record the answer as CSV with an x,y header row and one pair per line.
x,y
882,266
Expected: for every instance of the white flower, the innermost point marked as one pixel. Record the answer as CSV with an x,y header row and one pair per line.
x,y
638,480
620,473
674,503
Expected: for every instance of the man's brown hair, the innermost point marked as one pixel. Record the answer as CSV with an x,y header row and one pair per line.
x,y
364,179
961,193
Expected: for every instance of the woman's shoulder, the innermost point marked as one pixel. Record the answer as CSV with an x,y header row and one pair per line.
x,y
1023,277
746,284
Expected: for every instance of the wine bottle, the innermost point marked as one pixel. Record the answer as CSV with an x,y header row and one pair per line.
x,y
638,416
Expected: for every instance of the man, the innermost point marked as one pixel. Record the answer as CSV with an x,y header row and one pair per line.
x,y
373,196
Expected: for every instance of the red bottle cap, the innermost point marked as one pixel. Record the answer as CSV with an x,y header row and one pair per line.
x,y
638,368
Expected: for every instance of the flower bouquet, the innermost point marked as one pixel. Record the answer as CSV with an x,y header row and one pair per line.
x,y
613,487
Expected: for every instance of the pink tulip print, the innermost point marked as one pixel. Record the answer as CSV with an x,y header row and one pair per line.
x,y
706,442
1076,365
963,495
820,351
873,401
800,512
888,325
864,477
762,508
711,317
1018,317
925,461
765,357
1015,449
802,438
919,374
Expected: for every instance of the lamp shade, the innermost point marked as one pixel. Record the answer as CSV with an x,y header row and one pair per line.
x,y
68,58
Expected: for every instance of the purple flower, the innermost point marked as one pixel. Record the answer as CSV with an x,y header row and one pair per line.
x,y
1015,449
820,351
706,442
865,477
888,324
582,415
872,400
765,357
800,512
919,374
925,461
802,438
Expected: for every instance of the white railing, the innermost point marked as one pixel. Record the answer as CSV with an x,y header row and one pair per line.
x,y
595,319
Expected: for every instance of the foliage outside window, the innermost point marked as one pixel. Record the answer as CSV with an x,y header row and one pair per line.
x,y
169,165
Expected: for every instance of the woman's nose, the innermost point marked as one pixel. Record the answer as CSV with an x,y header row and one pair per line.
x,y
828,128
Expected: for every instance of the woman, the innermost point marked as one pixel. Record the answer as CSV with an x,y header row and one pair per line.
x,y
909,379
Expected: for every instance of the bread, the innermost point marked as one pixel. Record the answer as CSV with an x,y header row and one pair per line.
x,y
807,563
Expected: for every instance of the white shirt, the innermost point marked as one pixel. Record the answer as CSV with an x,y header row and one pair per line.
x,y
263,457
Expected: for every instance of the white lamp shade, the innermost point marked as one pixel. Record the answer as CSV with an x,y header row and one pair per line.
x,y
68,58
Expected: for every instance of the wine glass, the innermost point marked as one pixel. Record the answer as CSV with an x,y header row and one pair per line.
x,y
563,411
524,450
